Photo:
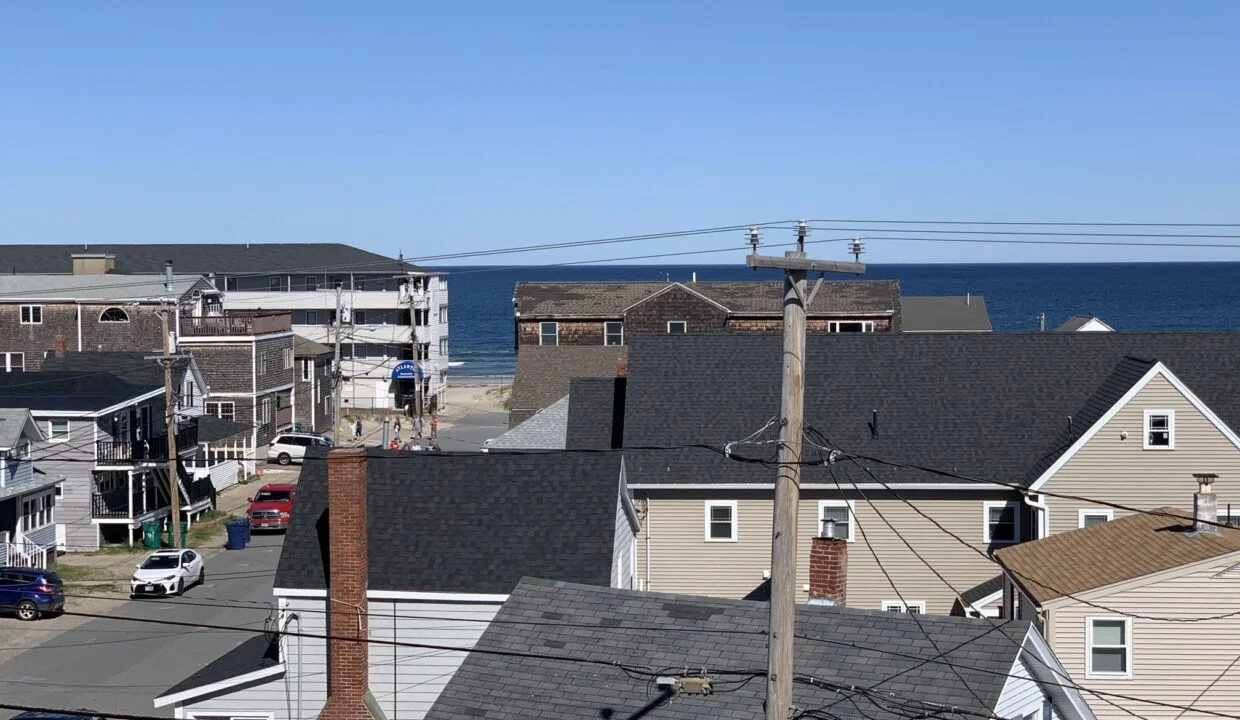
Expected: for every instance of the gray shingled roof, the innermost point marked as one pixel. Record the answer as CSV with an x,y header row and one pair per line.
x,y
1076,322
202,258
135,367
256,653
596,413
105,288
986,405
944,314
468,523
305,347
983,590
69,391
544,372
211,428
547,429
15,422
610,299
677,632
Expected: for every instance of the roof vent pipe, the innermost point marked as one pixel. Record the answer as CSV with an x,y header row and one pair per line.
x,y
874,424
1205,504
168,275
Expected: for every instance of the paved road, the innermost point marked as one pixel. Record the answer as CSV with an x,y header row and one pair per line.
x,y
470,431
120,666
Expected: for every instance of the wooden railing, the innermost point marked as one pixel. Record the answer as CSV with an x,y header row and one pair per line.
x,y
236,323
129,452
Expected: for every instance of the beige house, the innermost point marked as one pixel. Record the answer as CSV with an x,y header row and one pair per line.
x,y
1035,435
1147,606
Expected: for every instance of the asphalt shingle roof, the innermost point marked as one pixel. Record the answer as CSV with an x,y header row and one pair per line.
x,y
105,288
547,429
468,523
202,258
992,406
211,428
656,630
596,414
134,367
305,347
15,422
944,314
544,372
69,391
256,653
610,299
1106,553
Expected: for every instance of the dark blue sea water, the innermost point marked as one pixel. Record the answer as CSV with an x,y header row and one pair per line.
x,y
1128,296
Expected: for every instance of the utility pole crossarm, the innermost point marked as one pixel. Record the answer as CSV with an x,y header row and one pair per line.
x,y
803,263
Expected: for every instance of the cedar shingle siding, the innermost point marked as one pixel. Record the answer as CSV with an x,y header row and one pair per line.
x,y
142,332
653,315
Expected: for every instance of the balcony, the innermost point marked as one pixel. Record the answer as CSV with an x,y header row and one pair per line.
x,y
135,452
234,323
115,504
199,489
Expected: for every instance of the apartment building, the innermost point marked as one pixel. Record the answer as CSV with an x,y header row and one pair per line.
x,y
390,311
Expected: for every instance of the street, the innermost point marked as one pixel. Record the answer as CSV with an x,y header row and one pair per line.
x,y
120,666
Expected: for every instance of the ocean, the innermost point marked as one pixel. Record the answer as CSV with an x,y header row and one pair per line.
x,y
1127,296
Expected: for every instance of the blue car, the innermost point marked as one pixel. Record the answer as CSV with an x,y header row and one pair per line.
x,y
30,592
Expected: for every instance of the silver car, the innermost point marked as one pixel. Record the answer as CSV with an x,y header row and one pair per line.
x,y
291,447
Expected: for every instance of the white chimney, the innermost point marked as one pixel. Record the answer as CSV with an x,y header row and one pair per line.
x,y
1205,504
168,275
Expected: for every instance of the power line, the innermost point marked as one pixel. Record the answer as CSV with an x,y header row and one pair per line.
x,y
1081,243
1030,223
1037,233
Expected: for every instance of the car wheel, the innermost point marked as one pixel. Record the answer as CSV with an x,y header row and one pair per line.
x,y
181,586
202,576
27,610
284,459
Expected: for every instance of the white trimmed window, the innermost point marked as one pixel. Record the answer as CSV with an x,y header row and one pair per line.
x,y
114,315
312,317
1108,647
1159,430
288,358
841,511
1093,516
222,410
1001,522
443,347
57,431
913,606
677,327
548,333
850,326
721,525
37,512
262,363
12,361
307,367
32,315
613,333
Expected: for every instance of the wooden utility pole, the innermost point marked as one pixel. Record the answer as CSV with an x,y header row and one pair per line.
x,y
788,482
337,377
174,482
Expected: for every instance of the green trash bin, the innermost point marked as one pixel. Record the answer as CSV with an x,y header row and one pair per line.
x,y
184,532
151,536
297,427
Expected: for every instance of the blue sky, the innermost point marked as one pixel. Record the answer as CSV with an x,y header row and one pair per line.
x,y
465,126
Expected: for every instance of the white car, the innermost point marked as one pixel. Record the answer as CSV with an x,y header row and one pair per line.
x,y
168,572
291,446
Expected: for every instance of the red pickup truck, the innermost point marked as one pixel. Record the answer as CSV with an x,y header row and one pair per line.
x,y
271,508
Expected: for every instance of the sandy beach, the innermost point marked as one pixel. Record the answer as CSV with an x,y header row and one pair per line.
x,y
474,395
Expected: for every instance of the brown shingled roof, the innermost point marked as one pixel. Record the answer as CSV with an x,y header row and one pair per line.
x,y
544,372
610,299
1112,552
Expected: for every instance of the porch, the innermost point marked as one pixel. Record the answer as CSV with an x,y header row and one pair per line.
x,y
129,498
128,452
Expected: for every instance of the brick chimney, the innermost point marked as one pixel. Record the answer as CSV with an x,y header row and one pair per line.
x,y
1205,504
348,681
59,345
622,365
828,568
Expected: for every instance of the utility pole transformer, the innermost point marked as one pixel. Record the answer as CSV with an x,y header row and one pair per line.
x,y
788,480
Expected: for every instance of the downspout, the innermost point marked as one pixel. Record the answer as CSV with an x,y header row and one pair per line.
x,y
646,529
291,618
1042,513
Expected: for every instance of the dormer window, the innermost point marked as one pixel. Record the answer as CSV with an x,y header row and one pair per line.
x,y
1159,430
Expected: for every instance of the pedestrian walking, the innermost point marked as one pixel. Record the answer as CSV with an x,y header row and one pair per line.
x,y
396,427
417,427
357,430
434,426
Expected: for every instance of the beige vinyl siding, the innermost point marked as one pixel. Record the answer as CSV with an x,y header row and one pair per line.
x,y
1121,471
682,561
1171,661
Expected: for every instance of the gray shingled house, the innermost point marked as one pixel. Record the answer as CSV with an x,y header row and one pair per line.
x,y
563,651
28,528
446,540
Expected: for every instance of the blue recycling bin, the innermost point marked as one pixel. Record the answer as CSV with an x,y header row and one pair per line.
x,y
238,533
249,530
